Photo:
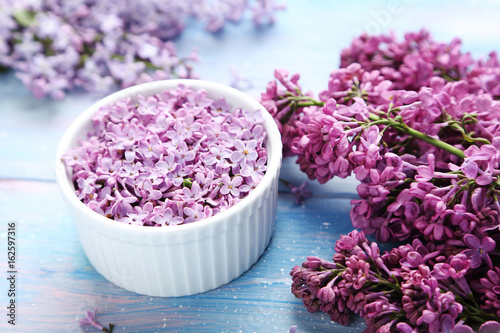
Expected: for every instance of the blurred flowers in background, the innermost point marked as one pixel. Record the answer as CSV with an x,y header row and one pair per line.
x,y
55,46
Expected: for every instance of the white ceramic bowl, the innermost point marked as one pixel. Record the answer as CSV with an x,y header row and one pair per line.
x,y
186,259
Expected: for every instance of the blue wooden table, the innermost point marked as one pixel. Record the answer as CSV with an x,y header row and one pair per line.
x,y
55,282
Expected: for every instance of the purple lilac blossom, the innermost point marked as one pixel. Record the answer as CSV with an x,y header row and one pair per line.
x,y
130,170
300,192
89,320
412,151
417,123
402,290
410,63
56,46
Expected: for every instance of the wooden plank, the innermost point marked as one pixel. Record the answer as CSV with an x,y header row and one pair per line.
x,y
57,284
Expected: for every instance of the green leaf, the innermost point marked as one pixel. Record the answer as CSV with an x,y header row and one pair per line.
x,y
24,17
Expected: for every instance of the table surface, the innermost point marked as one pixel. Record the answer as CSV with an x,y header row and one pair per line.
x,y
56,283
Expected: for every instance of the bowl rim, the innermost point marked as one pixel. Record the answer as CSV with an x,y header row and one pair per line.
x,y
150,88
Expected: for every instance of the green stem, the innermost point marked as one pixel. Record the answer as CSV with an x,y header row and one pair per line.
x,y
311,103
448,77
402,127
475,312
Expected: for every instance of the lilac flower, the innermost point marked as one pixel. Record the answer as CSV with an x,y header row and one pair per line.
x,y
245,152
426,172
301,192
479,160
186,154
97,206
107,170
168,164
478,250
263,12
118,113
101,47
176,135
194,213
121,204
150,192
456,267
87,186
218,155
238,81
219,107
135,217
75,156
178,175
248,186
389,296
90,320
255,170
190,126
489,289
148,106
126,71
130,170
489,327
167,217
463,218
370,146
230,186
405,328
215,132
417,66
126,135
416,121
448,325
197,99
192,193
150,148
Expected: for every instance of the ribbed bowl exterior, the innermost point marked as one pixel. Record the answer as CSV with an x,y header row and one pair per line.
x,y
185,259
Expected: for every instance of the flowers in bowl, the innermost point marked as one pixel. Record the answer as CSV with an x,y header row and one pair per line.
x,y
172,158
203,169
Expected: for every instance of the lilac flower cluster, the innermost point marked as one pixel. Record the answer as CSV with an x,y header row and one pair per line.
x,y
410,63
427,161
172,158
418,124
412,151
413,285
56,46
